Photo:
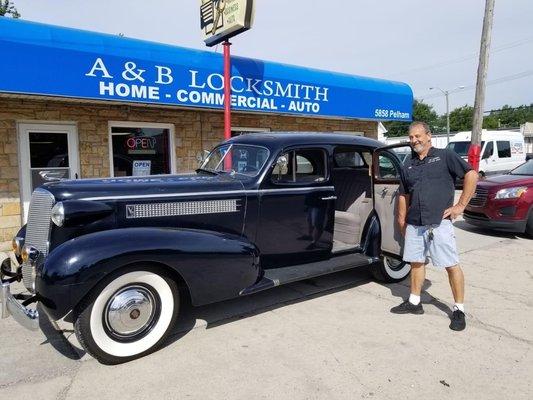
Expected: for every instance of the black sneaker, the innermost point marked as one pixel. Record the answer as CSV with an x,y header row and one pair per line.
x,y
407,308
458,321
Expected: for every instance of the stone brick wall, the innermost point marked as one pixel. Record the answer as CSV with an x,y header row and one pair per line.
x,y
194,131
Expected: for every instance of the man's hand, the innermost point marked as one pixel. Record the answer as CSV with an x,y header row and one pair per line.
x,y
453,212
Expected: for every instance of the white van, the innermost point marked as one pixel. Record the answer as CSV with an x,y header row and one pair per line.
x,y
501,151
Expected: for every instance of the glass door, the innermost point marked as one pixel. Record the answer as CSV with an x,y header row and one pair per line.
x,y
46,151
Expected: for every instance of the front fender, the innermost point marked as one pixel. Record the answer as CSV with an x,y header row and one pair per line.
x,y
214,266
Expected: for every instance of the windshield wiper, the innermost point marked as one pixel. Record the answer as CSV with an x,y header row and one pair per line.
x,y
205,170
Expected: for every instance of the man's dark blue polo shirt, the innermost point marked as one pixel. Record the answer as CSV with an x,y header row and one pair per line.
x,y
430,183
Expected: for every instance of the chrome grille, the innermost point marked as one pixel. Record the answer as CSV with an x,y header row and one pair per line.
x,y
38,230
480,198
152,210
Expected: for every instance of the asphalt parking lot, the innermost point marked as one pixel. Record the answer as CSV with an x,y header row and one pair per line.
x,y
327,338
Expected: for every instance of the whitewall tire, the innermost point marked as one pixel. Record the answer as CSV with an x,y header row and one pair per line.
x,y
127,316
390,270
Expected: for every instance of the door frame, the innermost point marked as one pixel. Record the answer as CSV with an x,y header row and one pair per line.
x,y
376,180
23,130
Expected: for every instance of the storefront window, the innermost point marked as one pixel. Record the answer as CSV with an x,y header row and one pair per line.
x,y
140,151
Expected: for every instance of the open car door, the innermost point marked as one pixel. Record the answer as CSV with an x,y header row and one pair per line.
x,y
386,177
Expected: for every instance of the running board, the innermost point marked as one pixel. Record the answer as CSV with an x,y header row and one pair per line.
x,y
281,276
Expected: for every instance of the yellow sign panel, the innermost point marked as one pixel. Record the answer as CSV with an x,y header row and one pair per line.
x,y
222,19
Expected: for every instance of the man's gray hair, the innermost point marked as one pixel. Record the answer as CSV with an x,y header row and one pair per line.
x,y
415,124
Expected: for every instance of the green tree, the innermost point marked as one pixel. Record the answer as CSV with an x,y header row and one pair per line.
x,y
421,112
513,117
461,118
8,8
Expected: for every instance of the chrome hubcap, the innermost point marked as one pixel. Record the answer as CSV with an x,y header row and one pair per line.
x,y
130,311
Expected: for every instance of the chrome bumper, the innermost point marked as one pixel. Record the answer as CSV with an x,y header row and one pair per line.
x,y
10,306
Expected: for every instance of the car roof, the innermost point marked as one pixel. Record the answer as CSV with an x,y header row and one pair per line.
x,y
285,139
487,135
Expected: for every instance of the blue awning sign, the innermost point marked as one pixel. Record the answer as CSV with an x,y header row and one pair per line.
x,y
39,59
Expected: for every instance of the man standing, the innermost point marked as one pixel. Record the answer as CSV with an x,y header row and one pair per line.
x,y
425,213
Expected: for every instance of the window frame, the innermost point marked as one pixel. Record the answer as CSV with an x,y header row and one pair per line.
x,y
487,144
376,179
498,149
137,124
296,149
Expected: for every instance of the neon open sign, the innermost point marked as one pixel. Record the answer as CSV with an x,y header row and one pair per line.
x,y
141,143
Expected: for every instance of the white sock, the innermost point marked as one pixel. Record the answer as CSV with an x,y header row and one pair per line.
x,y
459,306
414,299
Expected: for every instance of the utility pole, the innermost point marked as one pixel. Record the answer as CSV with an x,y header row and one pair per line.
x,y
477,123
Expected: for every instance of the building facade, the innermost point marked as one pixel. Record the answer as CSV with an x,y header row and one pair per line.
x,y
77,104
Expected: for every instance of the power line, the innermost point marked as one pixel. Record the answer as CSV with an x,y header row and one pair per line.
x,y
491,82
509,109
471,56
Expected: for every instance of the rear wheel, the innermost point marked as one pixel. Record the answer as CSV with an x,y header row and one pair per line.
x,y
127,316
390,270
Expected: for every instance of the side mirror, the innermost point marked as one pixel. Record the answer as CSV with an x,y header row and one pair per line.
x,y
281,168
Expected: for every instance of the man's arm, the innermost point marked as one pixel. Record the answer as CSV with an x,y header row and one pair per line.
x,y
469,187
403,204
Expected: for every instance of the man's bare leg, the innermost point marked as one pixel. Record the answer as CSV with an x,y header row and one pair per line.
x,y
418,276
457,283
413,305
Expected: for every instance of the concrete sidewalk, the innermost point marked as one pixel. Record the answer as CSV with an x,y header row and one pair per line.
x,y
327,338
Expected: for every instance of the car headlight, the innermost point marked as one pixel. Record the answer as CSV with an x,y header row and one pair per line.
x,y
511,193
58,214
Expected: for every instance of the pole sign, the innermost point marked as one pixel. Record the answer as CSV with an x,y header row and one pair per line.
x,y
47,60
223,19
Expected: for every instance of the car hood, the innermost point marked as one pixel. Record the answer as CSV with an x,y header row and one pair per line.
x,y
506,180
140,187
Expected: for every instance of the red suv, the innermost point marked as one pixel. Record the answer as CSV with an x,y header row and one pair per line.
x,y
504,202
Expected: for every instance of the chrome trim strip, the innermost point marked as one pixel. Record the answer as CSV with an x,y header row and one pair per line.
x,y
295,190
165,195
221,193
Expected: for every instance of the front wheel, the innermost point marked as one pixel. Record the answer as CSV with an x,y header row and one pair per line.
x,y
390,270
127,316
529,224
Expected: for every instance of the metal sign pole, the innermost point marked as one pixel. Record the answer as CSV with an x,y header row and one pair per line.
x,y
227,90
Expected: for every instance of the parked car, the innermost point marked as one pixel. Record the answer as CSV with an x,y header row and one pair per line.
x,y
501,151
504,202
116,256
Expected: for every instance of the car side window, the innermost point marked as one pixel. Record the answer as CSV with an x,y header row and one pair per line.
x,y
300,167
489,150
504,148
387,168
347,158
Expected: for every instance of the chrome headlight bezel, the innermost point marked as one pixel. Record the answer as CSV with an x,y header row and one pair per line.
x,y
510,193
58,214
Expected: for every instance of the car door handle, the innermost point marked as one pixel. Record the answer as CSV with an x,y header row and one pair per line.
x,y
329,198
384,191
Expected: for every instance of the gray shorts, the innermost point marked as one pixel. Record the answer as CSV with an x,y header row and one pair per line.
x,y
442,250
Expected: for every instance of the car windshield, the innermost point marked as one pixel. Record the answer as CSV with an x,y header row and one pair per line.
x,y
524,169
461,148
238,158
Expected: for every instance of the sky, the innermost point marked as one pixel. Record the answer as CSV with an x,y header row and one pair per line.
x,y
425,43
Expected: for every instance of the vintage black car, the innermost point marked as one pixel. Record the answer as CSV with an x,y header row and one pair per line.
x,y
115,256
